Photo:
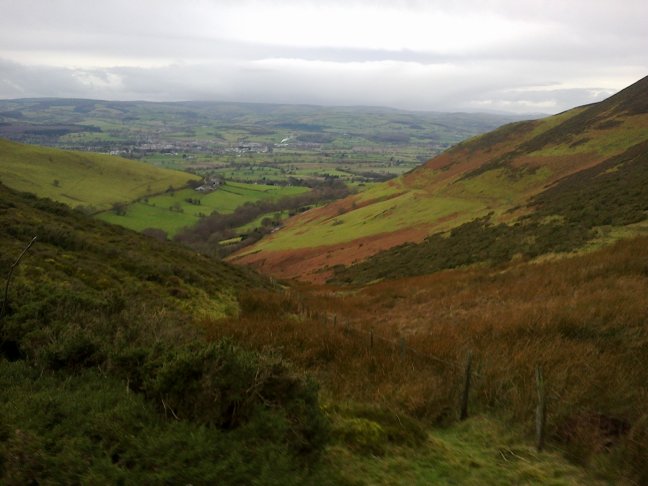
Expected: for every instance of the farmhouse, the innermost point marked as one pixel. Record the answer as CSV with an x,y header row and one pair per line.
x,y
209,184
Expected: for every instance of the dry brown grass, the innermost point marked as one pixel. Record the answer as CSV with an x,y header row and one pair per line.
x,y
583,319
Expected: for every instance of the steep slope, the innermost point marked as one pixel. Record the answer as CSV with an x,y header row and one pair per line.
x,y
100,261
85,179
495,175
107,377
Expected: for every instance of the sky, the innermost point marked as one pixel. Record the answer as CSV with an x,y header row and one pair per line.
x,y
520,56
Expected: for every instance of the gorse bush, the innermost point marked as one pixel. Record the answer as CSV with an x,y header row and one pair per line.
x,y
57,428
221,385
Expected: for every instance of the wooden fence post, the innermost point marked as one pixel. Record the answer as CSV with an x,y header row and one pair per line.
x,y
463,415
541,410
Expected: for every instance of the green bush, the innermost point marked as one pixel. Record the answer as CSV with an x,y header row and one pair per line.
x,y
57,428
362,435
369,429
224,386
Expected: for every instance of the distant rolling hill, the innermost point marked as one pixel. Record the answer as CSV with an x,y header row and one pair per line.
x,y
94,181
525,189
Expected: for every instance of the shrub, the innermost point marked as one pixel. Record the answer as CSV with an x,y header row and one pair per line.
x,y
222,385
362,435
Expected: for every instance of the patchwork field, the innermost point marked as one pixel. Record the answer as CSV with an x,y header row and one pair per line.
x,y
174,210
247,142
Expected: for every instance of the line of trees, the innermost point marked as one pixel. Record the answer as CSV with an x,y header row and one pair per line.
x,y
207,234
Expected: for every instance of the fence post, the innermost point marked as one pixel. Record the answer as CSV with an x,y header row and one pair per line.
x,y
541,410
463,415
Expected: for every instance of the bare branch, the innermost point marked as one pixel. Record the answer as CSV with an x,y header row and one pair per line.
x,y
11,270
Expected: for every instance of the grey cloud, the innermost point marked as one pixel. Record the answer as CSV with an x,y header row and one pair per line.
x,y
169,29
18,81
593,47
545,100
319,84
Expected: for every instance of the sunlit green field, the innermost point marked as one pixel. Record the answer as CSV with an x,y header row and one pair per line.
x,y
172,211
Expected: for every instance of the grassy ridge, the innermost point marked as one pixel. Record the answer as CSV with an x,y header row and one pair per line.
x,y
565,217
403,212
80,178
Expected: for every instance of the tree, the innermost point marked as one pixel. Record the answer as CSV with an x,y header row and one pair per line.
x,y
119,208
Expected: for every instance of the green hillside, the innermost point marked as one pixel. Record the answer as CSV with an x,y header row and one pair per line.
x,y
84,179
107,377
495,179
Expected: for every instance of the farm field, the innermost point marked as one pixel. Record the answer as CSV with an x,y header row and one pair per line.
x,y
174,210
247,142
126,192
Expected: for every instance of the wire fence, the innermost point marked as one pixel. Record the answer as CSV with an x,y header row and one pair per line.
x,y
465,368
400,345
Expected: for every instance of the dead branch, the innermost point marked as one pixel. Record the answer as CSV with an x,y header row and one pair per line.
x,y
11,270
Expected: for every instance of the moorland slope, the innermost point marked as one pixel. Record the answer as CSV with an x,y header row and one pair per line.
x,y
499,178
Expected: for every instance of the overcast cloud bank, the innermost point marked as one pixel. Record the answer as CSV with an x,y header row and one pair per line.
x,y
529,56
